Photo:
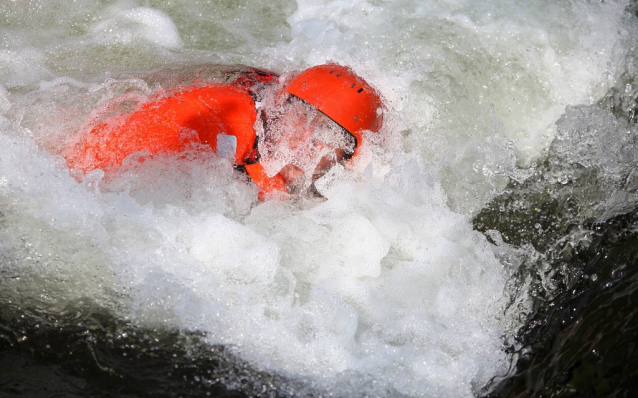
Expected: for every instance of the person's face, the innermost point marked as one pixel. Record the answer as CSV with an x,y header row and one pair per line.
x,y
305,143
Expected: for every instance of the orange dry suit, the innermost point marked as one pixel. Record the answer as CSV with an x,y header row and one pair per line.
x,y
173,122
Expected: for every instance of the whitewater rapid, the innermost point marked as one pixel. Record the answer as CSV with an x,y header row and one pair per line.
x,y
384,279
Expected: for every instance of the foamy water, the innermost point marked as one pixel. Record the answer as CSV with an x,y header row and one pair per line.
x,y
385,280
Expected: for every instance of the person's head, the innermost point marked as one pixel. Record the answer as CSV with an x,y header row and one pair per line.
x,y
327,109
341,95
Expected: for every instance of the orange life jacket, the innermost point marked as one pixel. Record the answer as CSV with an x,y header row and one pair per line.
x,y
171,124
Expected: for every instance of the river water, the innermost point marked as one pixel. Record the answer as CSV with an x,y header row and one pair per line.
x,y
484,244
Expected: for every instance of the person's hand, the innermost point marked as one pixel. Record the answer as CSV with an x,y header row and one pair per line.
x,y
294,178
326,163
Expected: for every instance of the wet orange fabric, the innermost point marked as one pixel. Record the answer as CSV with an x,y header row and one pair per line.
x,y
172,124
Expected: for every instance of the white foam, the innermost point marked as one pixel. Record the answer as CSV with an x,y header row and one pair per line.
x,y
129,26
461,72
22,66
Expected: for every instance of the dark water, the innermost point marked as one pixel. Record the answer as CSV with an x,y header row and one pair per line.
x,y
581,337
86,352
583,341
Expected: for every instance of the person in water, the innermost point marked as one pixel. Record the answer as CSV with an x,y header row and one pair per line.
x,y
283,135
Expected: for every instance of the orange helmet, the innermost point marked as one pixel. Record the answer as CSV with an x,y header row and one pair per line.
x,y
342,95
